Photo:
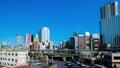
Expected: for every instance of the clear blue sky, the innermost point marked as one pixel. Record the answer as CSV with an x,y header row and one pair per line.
x,y
61,16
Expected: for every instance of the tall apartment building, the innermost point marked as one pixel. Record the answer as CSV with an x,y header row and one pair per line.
x,y
44,35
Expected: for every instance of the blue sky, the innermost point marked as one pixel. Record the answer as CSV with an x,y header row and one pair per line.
x,y
61,16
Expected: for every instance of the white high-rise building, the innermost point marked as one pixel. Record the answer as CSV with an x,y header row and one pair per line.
x,y
44,34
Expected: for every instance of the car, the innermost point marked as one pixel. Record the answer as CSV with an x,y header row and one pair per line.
x,y
98,66
76,62
68,63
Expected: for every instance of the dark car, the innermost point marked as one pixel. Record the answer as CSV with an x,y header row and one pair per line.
x,y
69,64
76,62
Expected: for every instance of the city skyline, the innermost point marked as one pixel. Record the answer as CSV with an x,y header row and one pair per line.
x,y
27,17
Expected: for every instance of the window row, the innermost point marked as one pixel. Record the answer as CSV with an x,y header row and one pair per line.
x,y
13,54
2,59
8,64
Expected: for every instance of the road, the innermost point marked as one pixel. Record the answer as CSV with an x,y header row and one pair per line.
x,y
61,64
56,64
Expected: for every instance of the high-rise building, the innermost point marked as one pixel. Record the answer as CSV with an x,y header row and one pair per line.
x,y
5,45
96,42
51,46
109,10
74,43
82,42
65,45
29,38
110,24
44,35
19,40
87,40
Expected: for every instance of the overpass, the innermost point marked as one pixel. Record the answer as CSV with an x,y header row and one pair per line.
x,y
62,56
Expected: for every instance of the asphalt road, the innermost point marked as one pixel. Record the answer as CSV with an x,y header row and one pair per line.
x,y
57,64
61,64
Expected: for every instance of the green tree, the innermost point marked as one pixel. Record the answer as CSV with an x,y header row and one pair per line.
x,y
46,66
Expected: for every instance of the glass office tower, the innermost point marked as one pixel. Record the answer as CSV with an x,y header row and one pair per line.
x,y
110,24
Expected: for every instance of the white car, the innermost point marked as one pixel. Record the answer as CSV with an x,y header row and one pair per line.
x,y
98,66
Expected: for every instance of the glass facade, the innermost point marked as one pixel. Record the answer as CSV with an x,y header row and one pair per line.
x,y
110,30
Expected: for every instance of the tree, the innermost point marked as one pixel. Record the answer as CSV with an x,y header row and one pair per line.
x,y
46,66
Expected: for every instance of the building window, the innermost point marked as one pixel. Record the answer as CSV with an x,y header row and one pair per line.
x,y
116,58
11,64
8,53
9,59
16,54
5,53
12,59
12,54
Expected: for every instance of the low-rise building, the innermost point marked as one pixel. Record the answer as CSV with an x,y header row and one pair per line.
x,y
11,58
111,59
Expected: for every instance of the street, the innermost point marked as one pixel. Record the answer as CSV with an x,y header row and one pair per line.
x,y
61,64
